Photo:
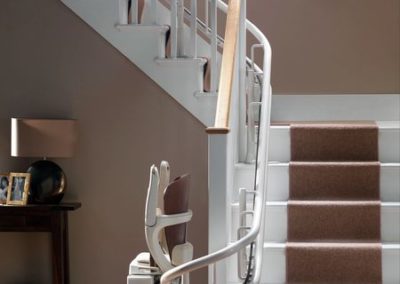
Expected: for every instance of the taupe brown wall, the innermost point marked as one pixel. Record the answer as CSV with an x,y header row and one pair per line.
x,y
53,65
331,46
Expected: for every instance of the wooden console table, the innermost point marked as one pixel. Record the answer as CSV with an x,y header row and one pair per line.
x,y
43,218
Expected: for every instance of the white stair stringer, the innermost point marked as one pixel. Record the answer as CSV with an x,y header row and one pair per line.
x,y
144,45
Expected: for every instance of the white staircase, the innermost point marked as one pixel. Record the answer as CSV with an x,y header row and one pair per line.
x,y
183,77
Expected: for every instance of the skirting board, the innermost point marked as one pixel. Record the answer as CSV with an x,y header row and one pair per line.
x,y
379,107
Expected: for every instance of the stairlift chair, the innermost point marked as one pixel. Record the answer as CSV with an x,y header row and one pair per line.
x,y
165,228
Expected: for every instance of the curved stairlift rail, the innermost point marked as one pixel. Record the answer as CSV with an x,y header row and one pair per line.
x,y
255,235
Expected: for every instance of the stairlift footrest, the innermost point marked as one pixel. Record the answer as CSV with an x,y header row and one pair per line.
x,y
141,265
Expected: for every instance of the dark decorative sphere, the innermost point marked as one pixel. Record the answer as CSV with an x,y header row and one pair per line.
x,y
48,182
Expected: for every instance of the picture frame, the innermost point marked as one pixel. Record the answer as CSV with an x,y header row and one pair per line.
x,y
18,188
4,182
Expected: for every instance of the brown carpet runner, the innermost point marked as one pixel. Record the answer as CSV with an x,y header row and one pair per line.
x,y
334,220
334,180
334,142
350,263
334,205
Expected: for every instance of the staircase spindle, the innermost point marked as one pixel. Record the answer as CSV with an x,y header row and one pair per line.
x,y
242,66
206,13
177,39
123,12
174,33
193,28
153,5
214,47
133,12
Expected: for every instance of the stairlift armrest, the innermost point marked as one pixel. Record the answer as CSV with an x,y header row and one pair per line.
x,y
152,236
152,198
174,219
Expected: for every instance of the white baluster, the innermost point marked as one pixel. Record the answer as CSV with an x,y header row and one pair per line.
x,y
214,50
154,12
251,132
248,121
180,30
206,13
174,29
123,12
134,12
242,58
193,28
242,256
177,39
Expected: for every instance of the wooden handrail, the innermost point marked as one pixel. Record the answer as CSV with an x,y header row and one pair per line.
x,y
221,125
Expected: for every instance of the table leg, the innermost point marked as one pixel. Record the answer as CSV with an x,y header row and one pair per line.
x,y
59,224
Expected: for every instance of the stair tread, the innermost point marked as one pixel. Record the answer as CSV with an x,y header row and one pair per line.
x,y
334,141
335,202
333,263
282,245
338,220
135,27
336,244
285,203
181,60
382,124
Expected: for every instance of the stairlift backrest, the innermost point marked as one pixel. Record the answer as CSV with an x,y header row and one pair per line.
x,y
173,221
176,200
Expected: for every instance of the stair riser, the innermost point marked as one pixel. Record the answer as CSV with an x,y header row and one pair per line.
x,y
335,107
389,139
276,222
278,183
275,265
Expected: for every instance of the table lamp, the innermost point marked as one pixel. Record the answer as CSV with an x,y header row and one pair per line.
x,y
44,138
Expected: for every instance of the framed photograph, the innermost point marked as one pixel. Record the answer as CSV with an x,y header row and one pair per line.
x,y
4,181
18,188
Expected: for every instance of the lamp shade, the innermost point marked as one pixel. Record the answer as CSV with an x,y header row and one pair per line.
x,y
44,138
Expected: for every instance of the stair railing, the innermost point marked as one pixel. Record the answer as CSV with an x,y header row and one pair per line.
x,y
221,125
255,232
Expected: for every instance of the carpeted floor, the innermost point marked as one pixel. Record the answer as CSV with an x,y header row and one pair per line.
x,y
334,206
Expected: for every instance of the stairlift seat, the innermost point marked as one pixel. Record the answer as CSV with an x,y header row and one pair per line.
x,y
166,216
